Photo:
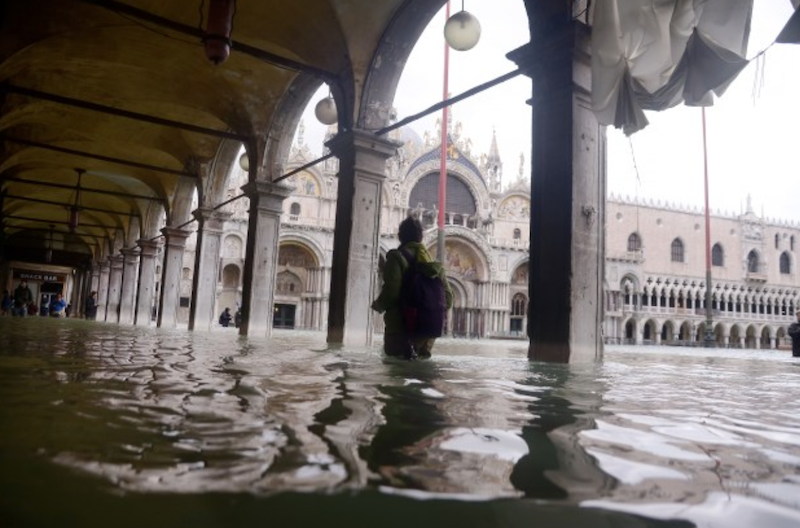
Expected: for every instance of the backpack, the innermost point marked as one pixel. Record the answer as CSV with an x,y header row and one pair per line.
x,y
422,298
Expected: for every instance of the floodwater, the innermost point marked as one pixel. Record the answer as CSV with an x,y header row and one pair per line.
x,y
102,425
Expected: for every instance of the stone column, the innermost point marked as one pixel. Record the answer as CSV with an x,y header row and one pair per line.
x,y
104,269
114,288
356,245
174,247
202,314
130,275
147,281
568,184
95,282
261,256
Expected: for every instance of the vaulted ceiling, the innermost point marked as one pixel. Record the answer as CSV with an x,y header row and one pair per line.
x,y
122,94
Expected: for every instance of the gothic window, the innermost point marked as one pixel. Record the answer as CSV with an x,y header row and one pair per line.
x,y
634,242
777,240
294,209
786,263
517,234
752,262
717,256
677,250
518,305
791,242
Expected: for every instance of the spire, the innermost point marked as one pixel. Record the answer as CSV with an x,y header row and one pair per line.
x,y
749,204
494,165
494,152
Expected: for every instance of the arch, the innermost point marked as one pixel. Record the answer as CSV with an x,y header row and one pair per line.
x,y
465,261
685,332
295,255
751,337
767,334
468,237
630,331
514,207
519,275
231,276
294,209
634,242
649,330
717,255
519,309
668,332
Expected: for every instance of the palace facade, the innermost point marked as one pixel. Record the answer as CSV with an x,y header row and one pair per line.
x,y
655,266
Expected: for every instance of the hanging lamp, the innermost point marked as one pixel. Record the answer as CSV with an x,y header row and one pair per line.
x,y
74,210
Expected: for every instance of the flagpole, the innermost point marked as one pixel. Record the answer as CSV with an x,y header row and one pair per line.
x,y
440,255
709,335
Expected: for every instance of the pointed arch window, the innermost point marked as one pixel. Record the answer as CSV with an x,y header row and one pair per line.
x,y
785,263
791,242
777,240
717,255
634,242
752,262
294,209
677,250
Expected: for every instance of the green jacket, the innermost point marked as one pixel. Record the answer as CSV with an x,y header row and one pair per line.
x,y
388,302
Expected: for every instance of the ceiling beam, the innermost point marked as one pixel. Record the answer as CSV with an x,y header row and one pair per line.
x,y
59,222
83,154
65,206
117,112
199,34
82,189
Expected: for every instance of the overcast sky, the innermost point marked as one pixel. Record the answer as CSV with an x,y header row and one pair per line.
x,y
753,130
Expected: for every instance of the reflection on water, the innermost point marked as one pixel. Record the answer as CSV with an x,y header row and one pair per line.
x,y
105,425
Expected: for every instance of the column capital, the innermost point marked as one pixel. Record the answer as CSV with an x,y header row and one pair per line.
x,y
175,237
267,196
203,214
129,253
147,247
369,151
115,261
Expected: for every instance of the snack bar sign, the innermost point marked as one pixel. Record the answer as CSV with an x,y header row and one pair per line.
x,y
38,276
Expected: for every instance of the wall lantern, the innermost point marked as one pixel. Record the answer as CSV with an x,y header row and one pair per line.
x,y
462,30
244,162
217,39
326,111
74,210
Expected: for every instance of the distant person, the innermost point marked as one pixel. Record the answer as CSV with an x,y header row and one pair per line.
x,y
23,298
90,306
225,317
403,337
58,306
7,304
794,333
237,318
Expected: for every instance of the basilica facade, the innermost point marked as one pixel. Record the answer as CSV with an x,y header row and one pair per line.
x,y
655,265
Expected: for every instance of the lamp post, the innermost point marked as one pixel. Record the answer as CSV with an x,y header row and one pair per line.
x,y
709,334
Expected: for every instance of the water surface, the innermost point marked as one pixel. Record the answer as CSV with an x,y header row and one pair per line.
x,y
102,425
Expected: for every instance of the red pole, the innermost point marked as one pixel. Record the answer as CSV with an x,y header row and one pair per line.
x,y
443,156
709,337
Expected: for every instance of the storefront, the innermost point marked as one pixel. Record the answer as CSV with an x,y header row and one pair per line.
x,y
44,284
